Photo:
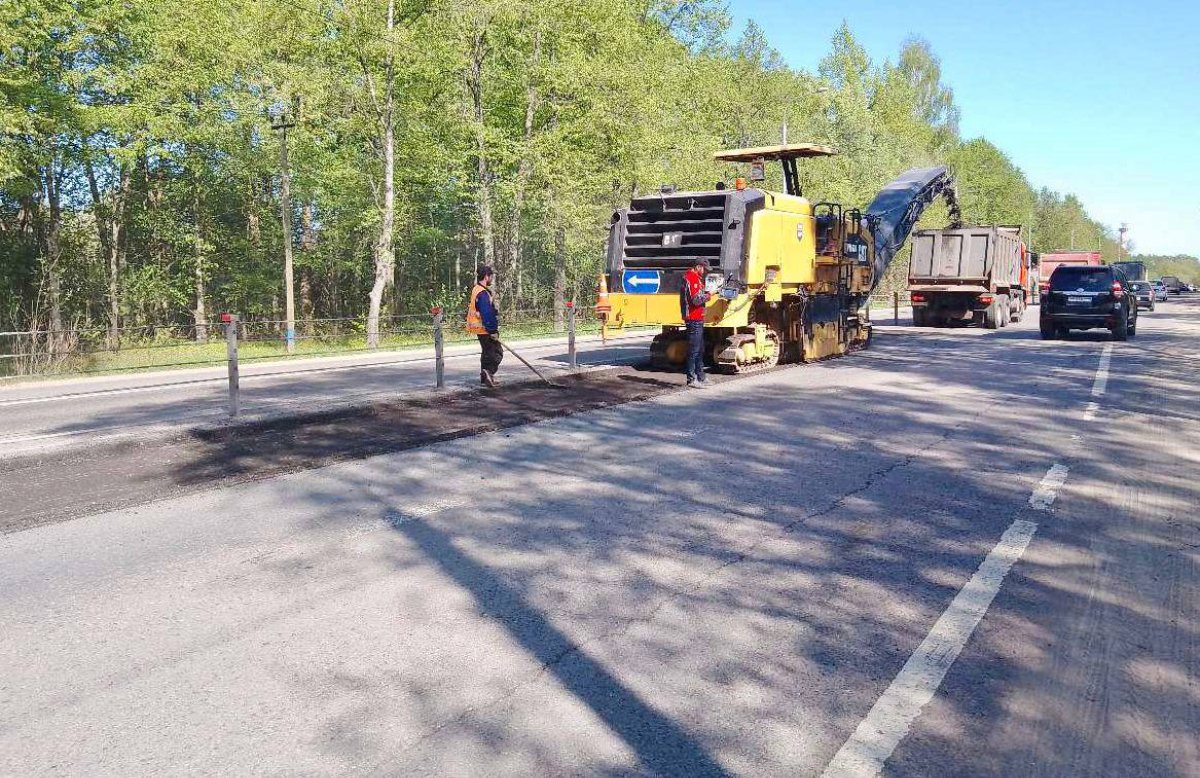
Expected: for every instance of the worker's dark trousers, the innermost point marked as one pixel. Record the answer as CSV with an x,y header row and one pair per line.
x,y
695,357
490,353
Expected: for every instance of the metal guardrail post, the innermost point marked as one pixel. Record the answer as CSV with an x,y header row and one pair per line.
x,y
896,308
439,361
571,334
231,346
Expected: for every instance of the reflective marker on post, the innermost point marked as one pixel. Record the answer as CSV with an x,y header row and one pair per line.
x,y
571,334
439,363
231,347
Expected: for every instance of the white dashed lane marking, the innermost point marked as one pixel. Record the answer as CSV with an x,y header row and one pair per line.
x,y
1047,491
1101,382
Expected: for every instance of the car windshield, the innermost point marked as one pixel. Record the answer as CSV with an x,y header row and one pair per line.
x,y
1082,279
1137,286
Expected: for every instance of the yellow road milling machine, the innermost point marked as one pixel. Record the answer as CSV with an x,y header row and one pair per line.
x,y
789,277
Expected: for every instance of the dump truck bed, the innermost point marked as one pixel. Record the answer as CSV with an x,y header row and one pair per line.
x,y
966,258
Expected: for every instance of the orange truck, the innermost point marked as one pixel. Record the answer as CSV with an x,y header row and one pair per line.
x,y
1051,260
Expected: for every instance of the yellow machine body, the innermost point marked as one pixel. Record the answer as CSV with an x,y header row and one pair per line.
x,y
788,276
780,259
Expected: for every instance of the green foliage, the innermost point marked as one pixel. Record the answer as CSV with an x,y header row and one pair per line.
x,y
1184,267
168,107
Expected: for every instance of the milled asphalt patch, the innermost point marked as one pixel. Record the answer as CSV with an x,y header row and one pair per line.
x,y
44,489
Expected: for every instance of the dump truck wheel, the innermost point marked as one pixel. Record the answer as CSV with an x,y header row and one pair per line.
x,y
991,317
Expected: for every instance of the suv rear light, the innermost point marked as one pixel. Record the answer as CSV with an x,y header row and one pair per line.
x,y
986,299
1117,291
917,297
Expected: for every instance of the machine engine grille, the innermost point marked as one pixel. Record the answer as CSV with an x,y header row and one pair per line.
x,y
674,231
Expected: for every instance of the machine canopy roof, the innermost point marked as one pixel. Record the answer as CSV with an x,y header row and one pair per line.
x,y
771,153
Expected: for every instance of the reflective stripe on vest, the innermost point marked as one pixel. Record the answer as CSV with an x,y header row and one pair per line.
x,y
474,320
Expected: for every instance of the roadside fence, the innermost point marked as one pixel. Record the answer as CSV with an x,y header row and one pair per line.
x,y
883,306
233,341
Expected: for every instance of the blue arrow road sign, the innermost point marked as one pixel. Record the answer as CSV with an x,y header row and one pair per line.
x,y
641,281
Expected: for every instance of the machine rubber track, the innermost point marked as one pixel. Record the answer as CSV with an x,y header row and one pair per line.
x,y
732,367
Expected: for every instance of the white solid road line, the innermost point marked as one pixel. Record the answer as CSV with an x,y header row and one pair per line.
x,y
1101,382
890,719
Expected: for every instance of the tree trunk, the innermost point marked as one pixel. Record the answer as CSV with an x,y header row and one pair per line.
x,y
308,242
483,191
117,252
524,171
56,337
384,256
560,277
253,221
199,315
285,211
110,219
155,197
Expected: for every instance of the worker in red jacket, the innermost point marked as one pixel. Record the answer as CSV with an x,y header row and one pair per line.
x,y
692,299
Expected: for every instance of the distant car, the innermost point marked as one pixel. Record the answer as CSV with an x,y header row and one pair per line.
x,y
1085,297
1160,290
1143,292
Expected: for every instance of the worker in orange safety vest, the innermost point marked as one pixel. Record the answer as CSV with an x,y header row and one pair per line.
x,y
483,320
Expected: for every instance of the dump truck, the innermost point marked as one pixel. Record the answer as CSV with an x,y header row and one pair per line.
x,y
968,274
1134,270
1053,259
789,276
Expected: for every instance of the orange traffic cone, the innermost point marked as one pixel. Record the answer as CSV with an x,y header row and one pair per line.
x,y
603,307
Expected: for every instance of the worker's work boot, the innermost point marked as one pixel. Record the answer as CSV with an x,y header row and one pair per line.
x,y
486,379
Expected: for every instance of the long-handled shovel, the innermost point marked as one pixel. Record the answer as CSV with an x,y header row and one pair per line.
x,y
526,364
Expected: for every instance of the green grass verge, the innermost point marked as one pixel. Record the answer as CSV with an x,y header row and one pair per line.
x,y
181,354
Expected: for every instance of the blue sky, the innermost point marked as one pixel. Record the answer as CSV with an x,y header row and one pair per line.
x,y
1098,98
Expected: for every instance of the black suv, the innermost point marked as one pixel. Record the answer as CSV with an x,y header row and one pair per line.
x,y
1084,297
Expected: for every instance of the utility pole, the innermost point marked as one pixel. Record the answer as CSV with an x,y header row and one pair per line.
x,y
282,125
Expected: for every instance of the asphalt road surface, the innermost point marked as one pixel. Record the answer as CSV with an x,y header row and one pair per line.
x,y
961,553
65,412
